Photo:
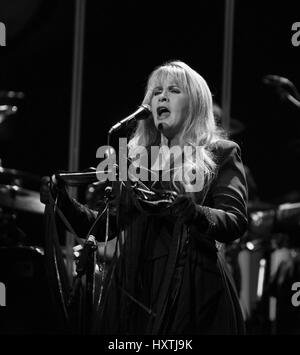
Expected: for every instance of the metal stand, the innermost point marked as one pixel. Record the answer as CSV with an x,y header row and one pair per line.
x,y
85,275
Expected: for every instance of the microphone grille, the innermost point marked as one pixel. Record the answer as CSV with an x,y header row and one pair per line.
x,y
147,107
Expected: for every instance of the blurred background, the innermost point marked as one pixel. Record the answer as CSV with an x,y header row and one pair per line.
x,y
123,42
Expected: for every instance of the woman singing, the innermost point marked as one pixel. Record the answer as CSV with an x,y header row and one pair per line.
x,y
168,276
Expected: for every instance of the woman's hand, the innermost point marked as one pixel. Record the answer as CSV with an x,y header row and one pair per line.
x,y
45,189
49,186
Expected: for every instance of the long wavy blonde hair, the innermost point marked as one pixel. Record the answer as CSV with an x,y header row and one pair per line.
x,y
199,128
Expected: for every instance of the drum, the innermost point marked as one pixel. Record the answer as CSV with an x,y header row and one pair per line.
x,y
251,264
20,208
258,269
28,305
286,277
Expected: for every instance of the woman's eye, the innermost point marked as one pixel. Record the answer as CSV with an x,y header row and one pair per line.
x,y
174,89
170,89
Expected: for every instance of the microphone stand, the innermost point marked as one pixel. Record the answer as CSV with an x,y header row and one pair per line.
x,y
293,100
87,260
108,197
109,189
85,267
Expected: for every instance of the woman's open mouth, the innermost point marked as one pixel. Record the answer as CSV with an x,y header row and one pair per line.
x,y
162,112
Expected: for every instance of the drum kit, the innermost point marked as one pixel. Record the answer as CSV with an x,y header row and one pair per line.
x,y
266,261
21,264
19,190
257,261
15,197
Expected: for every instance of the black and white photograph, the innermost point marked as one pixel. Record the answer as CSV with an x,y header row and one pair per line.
x,y
149,170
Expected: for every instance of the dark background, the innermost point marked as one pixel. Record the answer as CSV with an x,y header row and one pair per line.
x,y
123,43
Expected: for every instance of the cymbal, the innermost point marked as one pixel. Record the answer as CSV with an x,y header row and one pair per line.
x,y
27,190
17,198
10,176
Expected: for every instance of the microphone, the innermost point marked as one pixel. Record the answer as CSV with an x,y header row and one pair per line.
x,y
141,113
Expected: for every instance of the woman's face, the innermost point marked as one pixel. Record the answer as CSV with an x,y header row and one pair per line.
x,y
169,106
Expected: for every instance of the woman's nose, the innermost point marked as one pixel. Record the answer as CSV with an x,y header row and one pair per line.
x,y
163,96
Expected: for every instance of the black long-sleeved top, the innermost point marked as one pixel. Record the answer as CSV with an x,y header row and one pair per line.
x,y
172,269
222,216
